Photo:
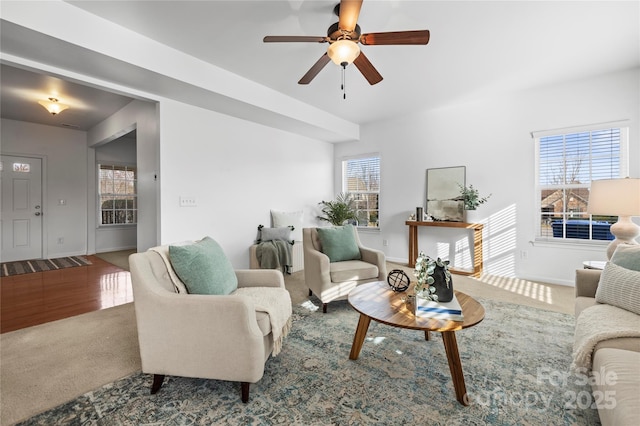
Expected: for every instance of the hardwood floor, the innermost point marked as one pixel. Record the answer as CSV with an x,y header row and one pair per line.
x,y
36,298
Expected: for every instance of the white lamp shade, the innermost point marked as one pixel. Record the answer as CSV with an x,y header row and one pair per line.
x,y
615,197
343,51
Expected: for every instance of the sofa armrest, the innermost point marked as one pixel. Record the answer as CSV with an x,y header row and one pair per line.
x,y
587,282
377,258
259,278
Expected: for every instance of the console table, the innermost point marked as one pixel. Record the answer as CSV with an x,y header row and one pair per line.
x,y
477,243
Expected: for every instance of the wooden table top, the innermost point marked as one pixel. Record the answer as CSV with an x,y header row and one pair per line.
x,y
377,301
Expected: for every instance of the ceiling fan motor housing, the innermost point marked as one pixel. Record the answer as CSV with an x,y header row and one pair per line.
x,y
335,33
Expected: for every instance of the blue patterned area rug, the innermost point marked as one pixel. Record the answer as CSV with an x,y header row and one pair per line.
x,y
515,362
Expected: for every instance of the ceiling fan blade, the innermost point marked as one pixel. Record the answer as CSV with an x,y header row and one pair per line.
x,y
315,69
396,37
367,69
349,12
303,39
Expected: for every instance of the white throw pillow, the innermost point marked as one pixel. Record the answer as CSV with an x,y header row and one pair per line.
x,y
619,287
294,219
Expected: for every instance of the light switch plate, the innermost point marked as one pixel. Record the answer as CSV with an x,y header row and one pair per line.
x,y
188,202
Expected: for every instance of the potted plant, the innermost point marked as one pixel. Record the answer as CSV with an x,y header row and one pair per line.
x,y
340,210
471,197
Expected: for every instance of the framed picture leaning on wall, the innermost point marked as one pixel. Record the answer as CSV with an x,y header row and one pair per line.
x,y
444,200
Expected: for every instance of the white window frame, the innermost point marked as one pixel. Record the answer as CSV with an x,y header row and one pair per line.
x,y
345,160
100,195
623,172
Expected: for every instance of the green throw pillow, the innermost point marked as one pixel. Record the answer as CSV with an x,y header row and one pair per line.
x,y
203,267
339,243
627,256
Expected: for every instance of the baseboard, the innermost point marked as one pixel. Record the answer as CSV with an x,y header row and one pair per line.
x,y
107,250
535,278
548,280
398,260
68,254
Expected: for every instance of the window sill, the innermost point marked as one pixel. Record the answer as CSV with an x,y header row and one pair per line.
x,y
117,226
589,245
368,229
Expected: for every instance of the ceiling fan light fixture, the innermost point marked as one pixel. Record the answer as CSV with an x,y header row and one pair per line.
x,y
342,51
53,106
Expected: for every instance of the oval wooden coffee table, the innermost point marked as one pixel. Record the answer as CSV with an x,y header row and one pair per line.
x,y
376,301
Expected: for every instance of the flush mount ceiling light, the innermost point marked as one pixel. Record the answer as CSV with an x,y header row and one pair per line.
x,y
53,106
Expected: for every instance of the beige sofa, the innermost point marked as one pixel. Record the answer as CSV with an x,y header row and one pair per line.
x,y
224,337
617,392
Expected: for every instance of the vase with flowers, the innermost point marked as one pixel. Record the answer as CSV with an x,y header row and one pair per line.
x,y
433,279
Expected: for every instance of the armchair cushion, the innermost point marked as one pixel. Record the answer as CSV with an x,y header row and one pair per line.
x,y
619,287
352,270
203,267
339,243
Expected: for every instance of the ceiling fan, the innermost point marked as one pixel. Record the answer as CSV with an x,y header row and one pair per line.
x,y
343,38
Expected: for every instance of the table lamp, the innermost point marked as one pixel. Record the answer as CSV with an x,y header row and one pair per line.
x,y
619,197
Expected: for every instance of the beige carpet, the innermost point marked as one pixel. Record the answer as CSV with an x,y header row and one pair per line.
x,y
118,258
46,365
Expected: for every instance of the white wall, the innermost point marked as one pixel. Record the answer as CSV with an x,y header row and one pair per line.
x,y
492,139
237,171
65,153
121,151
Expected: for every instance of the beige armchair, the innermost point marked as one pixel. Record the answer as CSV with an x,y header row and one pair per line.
x,y
333,281
204,336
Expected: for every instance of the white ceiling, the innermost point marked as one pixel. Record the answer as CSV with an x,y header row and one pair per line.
x,y
22,89
476,47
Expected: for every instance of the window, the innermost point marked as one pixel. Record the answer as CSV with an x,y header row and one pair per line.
x,y
22,167
361,179
117,195
567,163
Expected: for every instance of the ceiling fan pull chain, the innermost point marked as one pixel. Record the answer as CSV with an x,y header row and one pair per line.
x,y
343,86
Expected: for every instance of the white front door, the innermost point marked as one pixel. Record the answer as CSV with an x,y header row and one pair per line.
x,y
21,208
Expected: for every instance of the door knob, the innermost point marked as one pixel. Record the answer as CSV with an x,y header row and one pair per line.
x,y
38,213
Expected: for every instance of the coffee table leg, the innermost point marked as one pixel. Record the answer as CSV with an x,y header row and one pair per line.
x,y
451,348
358,339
